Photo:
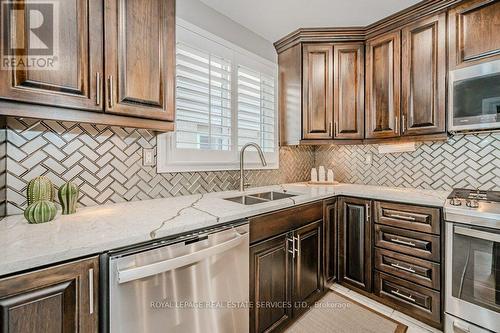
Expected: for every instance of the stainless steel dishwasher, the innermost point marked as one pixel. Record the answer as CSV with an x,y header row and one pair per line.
x,y
196,283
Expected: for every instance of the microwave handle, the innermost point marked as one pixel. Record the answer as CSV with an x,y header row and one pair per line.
x,y
477,234
182,261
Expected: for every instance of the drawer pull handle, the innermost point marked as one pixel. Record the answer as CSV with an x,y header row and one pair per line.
x,y
397,240
403,217
408,269
408,298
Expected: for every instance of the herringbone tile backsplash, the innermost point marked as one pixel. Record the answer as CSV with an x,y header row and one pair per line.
x,y
471,161
106,162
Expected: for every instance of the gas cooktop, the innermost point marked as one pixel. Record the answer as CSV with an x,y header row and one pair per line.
x,y
475,207
463,193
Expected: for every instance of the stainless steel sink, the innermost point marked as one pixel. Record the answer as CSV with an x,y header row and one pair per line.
x,y
271,196
252,199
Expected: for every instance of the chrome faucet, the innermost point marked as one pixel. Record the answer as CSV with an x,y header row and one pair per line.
x,y
242,158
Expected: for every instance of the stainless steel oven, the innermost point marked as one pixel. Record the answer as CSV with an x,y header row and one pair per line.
x,y
472,278
474,97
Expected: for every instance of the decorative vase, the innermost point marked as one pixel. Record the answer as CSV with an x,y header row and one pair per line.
x,y
40,188
40,212
68,198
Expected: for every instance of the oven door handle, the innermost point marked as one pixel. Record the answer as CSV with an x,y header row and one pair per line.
x,y
136,273
477,234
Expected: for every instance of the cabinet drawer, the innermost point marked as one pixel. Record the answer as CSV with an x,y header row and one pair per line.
x,y
413,243
276,223
417,218
420,271
415,300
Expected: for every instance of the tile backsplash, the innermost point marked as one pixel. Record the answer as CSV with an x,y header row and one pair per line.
x,y
106,162
471,161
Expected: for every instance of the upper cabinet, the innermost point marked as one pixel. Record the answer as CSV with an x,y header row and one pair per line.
x,y
424,76
115,58
317,89
76,80
349,101
383,79
140,58
474,33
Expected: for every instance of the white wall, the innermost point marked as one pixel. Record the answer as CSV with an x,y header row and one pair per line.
x,y
205,17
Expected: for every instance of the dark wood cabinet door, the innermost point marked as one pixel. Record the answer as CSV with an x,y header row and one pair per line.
x,y
473,33
74,78
383,85
270,281
424,76
330,240
355,245
140,58
308,278
317,89
59,299
349,94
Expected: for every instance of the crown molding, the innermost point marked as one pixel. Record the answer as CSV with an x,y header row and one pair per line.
x,y
353,34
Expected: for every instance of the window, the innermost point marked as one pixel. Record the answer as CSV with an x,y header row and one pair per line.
x,y
225,98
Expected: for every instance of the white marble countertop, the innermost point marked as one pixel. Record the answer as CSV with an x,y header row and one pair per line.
x,y
98,229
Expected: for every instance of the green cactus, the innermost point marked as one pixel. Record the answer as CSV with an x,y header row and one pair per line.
x,y
40,212
68,198
40,188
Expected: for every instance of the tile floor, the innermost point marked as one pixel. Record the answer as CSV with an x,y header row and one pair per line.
x,y
414,326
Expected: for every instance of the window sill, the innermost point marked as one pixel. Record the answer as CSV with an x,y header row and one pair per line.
x,y
192,167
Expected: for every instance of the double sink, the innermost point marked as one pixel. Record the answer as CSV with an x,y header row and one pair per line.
x,y
252,199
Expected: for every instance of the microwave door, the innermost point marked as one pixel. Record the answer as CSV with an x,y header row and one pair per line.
x,y
475,98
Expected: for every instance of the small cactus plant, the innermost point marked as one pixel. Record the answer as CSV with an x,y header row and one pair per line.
x,y
40,212
40,188
68,198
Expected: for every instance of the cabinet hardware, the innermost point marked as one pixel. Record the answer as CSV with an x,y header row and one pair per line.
x,y
297,246
403,124
292,251
403,217
110,92
336,129
330,129
396,125
408,298
397,240
91,290
98,88
368,213
408,269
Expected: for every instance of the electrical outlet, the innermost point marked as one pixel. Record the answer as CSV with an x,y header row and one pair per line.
x,y
148,157
368,159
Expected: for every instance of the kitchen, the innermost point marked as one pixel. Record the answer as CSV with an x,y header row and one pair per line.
x,y
237,166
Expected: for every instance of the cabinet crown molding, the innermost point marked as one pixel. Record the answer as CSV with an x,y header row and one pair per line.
x,y
352,34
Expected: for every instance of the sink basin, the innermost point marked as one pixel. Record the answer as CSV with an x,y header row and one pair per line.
x,y
271,196
257,198
246,200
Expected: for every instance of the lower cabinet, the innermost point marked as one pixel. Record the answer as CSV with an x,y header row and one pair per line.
x,y
355,243
286,270
307,267
63,298
270,281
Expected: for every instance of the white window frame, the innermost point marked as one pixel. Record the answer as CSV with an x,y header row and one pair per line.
x,y
171,159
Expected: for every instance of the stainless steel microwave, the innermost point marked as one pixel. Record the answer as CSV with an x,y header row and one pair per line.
x,y
474,98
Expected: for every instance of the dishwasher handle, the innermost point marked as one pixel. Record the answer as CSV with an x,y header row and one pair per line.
x,y
136,273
